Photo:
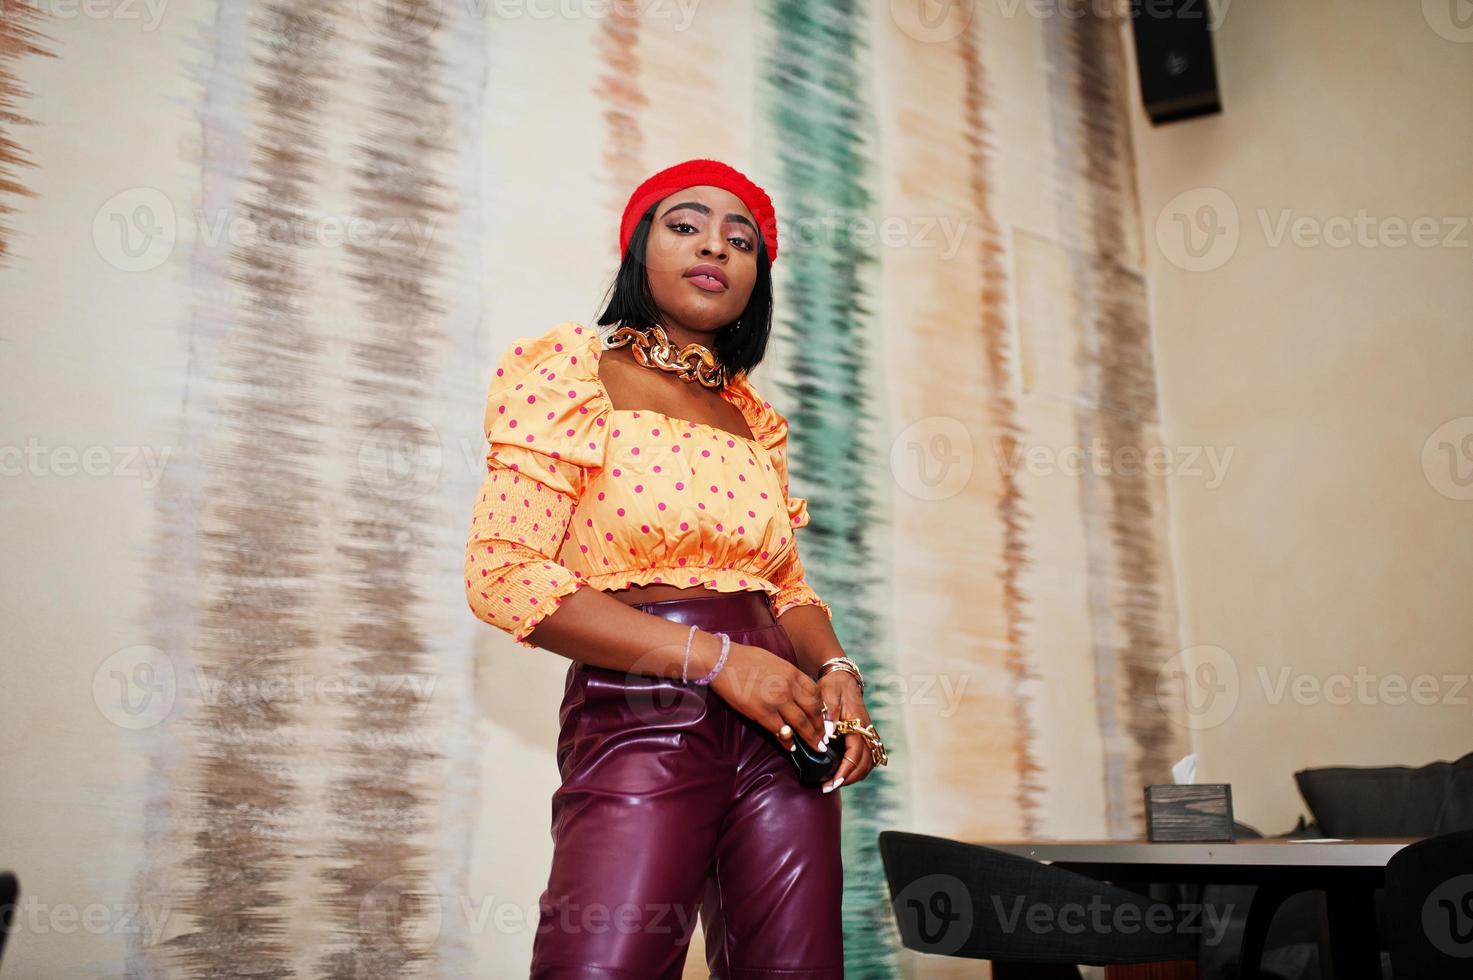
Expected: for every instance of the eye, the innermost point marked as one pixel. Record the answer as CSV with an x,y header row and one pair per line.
x,y
678,225
741,243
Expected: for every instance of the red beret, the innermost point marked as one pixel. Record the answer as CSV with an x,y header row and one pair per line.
x,y
689,174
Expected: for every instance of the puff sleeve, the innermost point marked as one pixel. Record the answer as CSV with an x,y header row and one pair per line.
x,y
546,425
790,577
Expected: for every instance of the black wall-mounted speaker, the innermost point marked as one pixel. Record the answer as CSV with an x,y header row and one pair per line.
x,y
1173,50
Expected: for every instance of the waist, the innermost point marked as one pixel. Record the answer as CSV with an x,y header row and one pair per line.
x,y
723,611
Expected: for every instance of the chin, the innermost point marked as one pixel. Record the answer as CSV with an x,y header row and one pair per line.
x,y
704,317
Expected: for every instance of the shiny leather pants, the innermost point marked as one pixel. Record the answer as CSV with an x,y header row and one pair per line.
x,y
674,807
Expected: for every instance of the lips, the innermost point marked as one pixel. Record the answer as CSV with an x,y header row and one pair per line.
x,y
707,277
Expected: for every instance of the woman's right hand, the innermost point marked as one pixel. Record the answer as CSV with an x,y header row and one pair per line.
x,y
772,692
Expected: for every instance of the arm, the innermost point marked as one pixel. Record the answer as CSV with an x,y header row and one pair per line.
x,y
515,583
812,633
807,618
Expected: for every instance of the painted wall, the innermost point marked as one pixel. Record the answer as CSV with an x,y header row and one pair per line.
x,y
259,261
1310,290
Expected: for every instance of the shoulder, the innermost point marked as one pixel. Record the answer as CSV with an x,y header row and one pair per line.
x,y
545,394
569,347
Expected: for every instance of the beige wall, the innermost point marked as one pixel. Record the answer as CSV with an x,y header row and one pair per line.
x,y
1335,545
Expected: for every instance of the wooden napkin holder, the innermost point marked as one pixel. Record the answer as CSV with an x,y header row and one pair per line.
x,y
1189,812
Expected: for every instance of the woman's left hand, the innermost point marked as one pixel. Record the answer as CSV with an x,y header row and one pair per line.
x,y
839,689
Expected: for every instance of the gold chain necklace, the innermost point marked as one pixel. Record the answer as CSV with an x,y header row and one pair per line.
x,y
653,348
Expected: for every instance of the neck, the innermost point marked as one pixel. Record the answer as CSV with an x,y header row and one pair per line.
x,y
680,335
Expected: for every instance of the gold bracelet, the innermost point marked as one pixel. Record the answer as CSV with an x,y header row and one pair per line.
x,y
842,663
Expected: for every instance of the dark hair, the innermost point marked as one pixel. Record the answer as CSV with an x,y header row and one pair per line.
x,y
632,305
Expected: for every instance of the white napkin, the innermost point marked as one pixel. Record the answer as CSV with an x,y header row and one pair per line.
x,y
1185,771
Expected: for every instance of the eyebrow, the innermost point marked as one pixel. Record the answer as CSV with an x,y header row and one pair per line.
x,y
698,206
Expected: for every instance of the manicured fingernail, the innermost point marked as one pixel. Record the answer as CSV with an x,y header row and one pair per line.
x,y
835,785
793,747
823,745
828,730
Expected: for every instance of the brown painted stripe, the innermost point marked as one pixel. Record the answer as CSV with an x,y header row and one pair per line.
x,y
19,39
262,536
380,902
1127,571
623,99
1003,418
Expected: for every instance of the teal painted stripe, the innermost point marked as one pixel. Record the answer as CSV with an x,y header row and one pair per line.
x,y
813,96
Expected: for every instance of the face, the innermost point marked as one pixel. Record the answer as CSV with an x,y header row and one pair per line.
x,y
701,262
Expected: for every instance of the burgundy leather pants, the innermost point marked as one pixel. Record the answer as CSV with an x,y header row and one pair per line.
x,y
674,807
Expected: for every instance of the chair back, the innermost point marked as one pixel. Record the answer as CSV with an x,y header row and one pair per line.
x,y
1429,908
958,899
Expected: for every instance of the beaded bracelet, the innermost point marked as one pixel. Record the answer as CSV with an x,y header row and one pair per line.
x,y
726,646
686,666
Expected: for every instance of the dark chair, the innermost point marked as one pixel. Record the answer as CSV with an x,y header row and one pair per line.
x,y
9,892
1030,919
1429,908
1275,931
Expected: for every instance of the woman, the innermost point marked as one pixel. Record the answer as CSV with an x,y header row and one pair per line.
x,y
652,470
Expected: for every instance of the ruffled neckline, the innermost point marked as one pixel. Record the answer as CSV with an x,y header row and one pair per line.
x,y
766,423
768,426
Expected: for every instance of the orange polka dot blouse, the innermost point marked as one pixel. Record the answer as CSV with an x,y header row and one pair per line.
x,y
578,492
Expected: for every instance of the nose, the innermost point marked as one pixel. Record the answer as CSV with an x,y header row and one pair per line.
x,y
719,251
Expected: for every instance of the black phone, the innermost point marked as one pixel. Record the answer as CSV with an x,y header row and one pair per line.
x,y
815,767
